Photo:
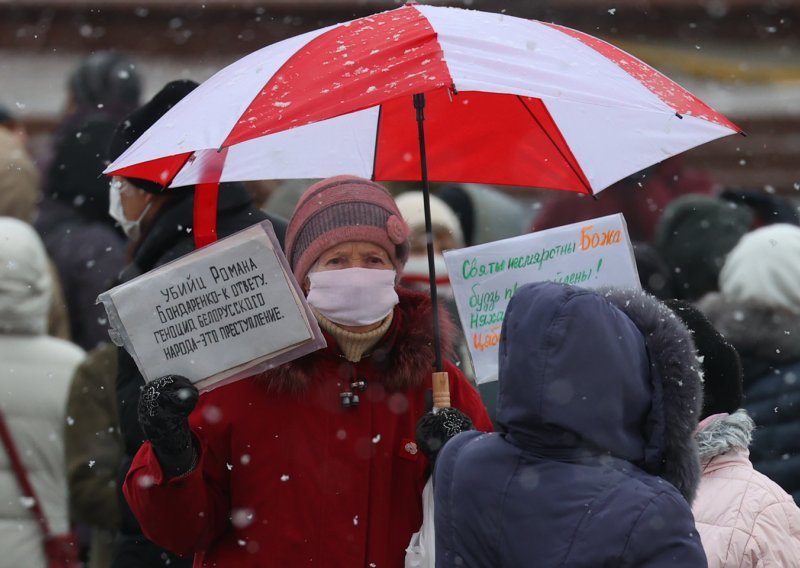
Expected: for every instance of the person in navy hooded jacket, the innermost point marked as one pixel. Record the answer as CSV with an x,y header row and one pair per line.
x,y
595,464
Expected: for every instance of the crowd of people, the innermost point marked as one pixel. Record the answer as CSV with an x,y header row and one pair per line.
x,y
653,427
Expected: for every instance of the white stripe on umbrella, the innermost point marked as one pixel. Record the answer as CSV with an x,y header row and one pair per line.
x,y
224,96
631,140
350,149
500,54
580,115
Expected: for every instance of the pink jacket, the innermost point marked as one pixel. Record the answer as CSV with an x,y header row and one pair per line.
x,y
743,517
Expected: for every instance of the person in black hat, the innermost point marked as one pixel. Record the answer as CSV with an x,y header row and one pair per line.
x,y
106,81
743,517
72,219
158,223
86,247
694,235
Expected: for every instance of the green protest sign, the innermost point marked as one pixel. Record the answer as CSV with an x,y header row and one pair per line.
x,y
592,254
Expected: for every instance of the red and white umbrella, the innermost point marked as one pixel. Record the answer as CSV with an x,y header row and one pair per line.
x,y
506,101
509,101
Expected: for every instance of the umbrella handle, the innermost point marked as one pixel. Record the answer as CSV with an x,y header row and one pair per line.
x,y
441,390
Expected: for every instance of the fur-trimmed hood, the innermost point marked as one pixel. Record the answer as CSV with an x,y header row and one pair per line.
x,y
726,432
612,373
404,356
768,333
677,373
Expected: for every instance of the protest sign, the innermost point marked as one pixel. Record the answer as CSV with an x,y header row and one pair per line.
x,y
591,254
215,315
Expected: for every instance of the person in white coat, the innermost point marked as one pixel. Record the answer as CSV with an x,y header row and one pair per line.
x,y
35,373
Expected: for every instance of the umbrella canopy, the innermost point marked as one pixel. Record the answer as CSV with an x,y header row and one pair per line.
x,y
508,101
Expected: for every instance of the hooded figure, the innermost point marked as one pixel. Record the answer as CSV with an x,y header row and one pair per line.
x,y
35,375
598,400
19,193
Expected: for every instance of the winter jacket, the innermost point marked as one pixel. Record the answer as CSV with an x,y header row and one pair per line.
x,y
89,256
744,518
289,477
596,460
19,194
767,342
34,377
93,450
168,238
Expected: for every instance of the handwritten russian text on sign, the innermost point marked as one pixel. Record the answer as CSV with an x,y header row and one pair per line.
x,y
216,314
592,254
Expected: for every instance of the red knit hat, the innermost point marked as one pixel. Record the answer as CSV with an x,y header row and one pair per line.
x,y
340,209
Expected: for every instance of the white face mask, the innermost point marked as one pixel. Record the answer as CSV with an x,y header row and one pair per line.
x,y
353,296
132,229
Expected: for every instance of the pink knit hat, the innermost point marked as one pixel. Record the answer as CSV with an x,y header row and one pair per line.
x,y
340,209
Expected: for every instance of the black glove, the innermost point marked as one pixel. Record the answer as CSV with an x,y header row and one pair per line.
x,y
435,428
164,408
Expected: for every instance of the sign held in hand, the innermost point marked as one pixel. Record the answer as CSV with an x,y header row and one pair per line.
x,y
592,254
218,314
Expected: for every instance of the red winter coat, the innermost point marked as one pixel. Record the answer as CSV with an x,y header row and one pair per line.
x,y
288,477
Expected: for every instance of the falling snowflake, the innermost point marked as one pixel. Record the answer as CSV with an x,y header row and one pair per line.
x,y
284,477
146,481
241,518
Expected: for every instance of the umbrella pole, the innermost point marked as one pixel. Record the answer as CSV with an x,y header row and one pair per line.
x,y
419,104
441,383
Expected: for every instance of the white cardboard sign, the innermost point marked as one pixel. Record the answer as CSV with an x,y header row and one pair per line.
x,y
215,315
591,254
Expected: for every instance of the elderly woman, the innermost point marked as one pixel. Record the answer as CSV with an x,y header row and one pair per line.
x,y
314,462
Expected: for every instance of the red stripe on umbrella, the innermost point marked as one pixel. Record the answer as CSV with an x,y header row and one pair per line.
x,y
344,70
480,138
161,170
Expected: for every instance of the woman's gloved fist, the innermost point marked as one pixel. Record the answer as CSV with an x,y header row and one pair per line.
x,y
164,408
435,428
